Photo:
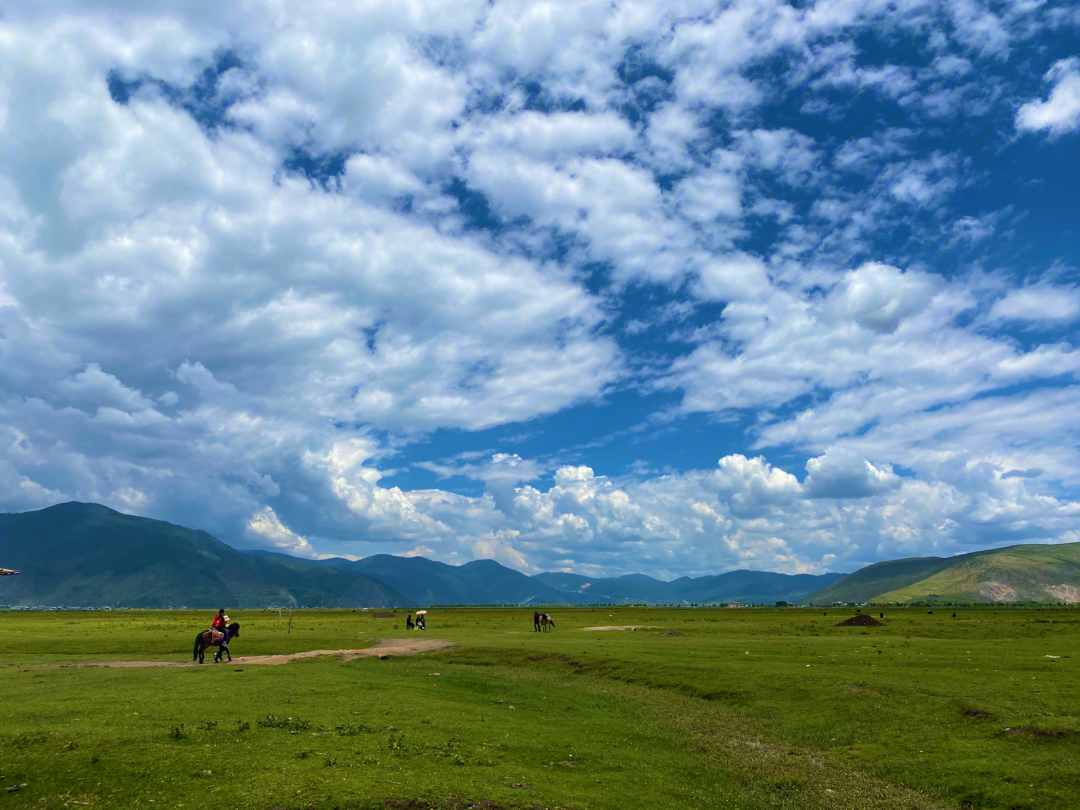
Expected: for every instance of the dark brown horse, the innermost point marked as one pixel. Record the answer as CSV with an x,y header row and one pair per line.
x,y
207,639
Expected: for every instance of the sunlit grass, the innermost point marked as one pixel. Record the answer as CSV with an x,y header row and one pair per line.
x,y
744,708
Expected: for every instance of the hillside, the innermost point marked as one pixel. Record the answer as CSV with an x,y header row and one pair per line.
x,y
80,554
1037,573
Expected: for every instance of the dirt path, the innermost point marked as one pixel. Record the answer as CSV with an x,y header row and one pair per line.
x,y
622,627
385,647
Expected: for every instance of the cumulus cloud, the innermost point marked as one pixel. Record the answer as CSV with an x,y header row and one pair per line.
x,y
252,256
842,473
1060,113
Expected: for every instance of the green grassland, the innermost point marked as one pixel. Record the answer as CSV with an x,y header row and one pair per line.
x,y
743,709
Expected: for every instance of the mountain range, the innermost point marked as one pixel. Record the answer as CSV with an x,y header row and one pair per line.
x,y
82,554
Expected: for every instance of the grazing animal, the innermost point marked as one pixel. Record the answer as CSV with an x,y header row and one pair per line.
x,y
546,622
206,639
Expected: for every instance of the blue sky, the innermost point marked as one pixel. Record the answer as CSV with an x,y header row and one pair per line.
x,y
670,287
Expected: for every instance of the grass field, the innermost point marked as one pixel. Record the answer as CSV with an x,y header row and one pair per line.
x,y
742,709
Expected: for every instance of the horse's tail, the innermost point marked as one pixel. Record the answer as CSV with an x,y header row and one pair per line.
x,y
198,643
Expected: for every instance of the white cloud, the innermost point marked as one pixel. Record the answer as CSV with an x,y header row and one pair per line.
x,y
265,527
192,328
1060,113
1041,303
842,473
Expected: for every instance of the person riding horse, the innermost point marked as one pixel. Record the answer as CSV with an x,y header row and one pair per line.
x,y
214,638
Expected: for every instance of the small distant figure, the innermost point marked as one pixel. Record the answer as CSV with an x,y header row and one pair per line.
x,y
881,615
409,622
536,621
929,613
546,622
954,615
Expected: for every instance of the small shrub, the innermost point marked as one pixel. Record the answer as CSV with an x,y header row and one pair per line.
x,y
243,725
177,732
207,725
273,721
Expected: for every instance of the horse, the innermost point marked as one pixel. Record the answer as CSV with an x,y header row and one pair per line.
x,y
206,639
536,621
546,622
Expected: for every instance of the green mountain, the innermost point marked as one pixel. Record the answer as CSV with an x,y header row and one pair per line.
x,y
83,554
1029,573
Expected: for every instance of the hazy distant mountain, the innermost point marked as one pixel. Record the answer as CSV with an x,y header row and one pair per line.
x,y
428,582
82,554
1036,573
746,587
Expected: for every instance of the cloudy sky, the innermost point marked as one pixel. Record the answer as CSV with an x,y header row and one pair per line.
x,y
670,286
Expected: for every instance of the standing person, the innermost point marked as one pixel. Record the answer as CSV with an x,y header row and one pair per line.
x,y
536,621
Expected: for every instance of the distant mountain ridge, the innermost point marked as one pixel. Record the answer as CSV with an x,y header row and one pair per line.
x,y
1024,573
83,554
743,587
486,582
79,554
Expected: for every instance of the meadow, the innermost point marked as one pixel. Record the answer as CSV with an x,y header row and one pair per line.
x,y
700,708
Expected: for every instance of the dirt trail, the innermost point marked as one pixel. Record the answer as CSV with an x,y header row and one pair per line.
x,y
622,627
385,647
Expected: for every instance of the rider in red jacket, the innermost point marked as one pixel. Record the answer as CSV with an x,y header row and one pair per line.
x,y
219,622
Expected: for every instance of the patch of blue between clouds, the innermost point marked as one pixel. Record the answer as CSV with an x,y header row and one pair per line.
x,y
1002,178
323,169
202,99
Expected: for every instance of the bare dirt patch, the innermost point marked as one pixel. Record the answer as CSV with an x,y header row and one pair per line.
x,y
997,592
622,627
384,614
862,620
385,647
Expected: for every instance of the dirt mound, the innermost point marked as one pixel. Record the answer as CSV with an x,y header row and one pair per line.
x,y
671,633
384,614
861,620
385,647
